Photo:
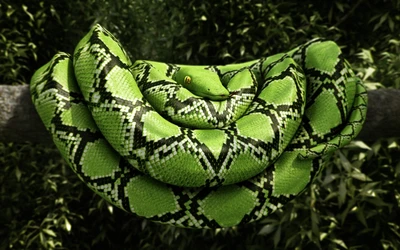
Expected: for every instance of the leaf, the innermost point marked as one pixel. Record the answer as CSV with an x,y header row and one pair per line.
x,y
378,202
226,55
255,48
25,8
366,55
361,217
110,208
342,192
398,169
381,21
144,224
10,11
345,162
188,53
322,236
290,240
339,6
203,45
391,24
50,243
394,42
18,174
49,232
314,222
393,145
267,229
242,50
244,31
67,225
343,215
277,236
360,144
340,243
360,176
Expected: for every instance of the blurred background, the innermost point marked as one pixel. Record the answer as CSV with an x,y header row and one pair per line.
x,y
353,205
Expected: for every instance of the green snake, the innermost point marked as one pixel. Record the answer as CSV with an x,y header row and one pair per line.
x,y
198,146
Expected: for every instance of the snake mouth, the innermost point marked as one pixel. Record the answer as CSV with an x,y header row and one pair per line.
x,y
221,97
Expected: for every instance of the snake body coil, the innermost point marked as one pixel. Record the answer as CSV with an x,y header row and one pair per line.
x,y
198,146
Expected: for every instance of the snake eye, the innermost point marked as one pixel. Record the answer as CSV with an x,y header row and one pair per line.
x,y
187,80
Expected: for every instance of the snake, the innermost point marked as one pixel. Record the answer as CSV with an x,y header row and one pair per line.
x,y
198,146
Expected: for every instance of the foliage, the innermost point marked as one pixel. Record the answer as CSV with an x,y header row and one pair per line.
x,y
353,205
212,32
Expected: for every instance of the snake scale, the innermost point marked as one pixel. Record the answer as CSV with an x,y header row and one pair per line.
x,y
198,146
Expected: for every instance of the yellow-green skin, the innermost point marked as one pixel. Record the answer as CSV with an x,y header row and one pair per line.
x,y
134,132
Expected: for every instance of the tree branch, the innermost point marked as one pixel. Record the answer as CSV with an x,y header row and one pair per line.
x,y
19,121
383,115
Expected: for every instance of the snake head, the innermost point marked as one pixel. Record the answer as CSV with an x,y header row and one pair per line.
x,y
202,82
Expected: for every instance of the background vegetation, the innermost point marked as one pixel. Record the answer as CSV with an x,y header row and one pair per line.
x,y
353,205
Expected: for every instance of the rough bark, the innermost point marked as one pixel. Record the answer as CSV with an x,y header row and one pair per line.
x,y
19,121
383,115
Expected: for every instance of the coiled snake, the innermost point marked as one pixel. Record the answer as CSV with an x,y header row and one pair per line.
x,y
198,146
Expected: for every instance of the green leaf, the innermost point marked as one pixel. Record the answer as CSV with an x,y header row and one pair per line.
x,y
277,236
340,243
255,49
242,50
203,45
366,55
339,5
360,144
188,53
25,8
67,225
342,192
10,11
361,217
49,232
381,21
267,229
18,173
391,24
345,162
360,176
314,223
